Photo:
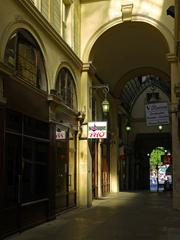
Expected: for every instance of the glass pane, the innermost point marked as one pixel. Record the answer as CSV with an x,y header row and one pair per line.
x,y
61,167
65,87
10,52
12,160
36,128
35,172
14,121
41,74
26,62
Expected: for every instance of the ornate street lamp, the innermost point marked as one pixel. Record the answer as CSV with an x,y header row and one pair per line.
x,y
105,103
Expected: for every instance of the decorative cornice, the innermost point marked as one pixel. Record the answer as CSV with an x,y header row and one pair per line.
x,y
89,67
47,27
56,102
171,57
127,12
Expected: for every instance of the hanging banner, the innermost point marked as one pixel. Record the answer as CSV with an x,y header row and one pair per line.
x,y
157,113
97,130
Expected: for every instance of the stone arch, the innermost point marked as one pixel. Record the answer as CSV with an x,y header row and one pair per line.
x,y
17,24
137,18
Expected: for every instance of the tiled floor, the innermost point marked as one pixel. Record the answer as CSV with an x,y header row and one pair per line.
x,y
120,216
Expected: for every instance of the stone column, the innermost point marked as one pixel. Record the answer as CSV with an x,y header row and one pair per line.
x,y
175,73
114,181
84,157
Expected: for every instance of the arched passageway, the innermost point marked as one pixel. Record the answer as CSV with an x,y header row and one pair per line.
x,y
144,144
131,58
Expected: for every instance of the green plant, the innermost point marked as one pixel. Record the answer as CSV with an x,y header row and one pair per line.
x,y
155,156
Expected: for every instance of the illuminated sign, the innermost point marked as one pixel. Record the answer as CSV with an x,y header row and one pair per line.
x,y
97,130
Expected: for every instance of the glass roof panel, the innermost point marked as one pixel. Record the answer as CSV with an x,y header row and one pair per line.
x,y
134,87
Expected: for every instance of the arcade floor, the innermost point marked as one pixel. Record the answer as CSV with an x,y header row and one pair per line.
x,y
119,216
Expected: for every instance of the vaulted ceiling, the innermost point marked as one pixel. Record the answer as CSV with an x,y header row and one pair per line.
x,y
129,50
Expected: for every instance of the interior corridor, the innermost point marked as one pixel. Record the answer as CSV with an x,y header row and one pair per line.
x,y
123,216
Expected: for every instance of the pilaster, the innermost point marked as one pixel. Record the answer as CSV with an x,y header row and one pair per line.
x,y
84,156
173,60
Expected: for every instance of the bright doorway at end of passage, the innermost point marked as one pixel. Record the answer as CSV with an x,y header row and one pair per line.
x,y
160,162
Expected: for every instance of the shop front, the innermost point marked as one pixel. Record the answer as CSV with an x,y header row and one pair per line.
x,y
65,189
24,158
64,128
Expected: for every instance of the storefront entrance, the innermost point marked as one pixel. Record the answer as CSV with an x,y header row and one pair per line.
x,y
65,172
24,198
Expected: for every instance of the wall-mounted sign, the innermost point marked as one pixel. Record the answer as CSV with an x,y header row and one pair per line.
x,y
157,113
97,130
60,134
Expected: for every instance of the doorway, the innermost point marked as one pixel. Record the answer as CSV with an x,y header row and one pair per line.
x,y
160,161
24,198
65,196
144,144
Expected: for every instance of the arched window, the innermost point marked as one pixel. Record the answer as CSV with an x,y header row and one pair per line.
x,y
65,87
23,54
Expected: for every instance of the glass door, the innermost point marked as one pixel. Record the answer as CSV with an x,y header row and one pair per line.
x,y
12,194
61,175
65,172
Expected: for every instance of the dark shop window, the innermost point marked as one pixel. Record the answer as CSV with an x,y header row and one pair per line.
x,y
34,172
36,128
12,164
14,121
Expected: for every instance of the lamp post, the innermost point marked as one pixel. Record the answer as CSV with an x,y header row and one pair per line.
x,y
105,103
105,106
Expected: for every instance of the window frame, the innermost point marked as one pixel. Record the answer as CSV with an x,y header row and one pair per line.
x,y
67,91
23,37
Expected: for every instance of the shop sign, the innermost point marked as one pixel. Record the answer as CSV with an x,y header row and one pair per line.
x,y
157,113
97,130
60,134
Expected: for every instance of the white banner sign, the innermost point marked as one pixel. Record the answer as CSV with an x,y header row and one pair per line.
x,y
157,113
97,130
60,134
